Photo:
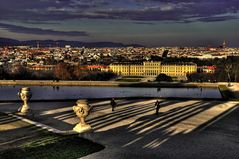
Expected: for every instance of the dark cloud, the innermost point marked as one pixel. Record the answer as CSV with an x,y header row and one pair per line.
x,y
145,23
41,22
217,19
143,10
39,31
188,11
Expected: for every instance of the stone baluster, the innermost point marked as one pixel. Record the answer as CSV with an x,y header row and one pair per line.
x,y
82,110
25,95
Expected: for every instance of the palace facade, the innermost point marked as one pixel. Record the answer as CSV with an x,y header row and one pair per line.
x,y
151,68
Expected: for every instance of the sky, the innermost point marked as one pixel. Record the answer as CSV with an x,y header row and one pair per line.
x,y
151,23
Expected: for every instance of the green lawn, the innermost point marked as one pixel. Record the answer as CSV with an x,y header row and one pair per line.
x,y
132,77
52,146
128,80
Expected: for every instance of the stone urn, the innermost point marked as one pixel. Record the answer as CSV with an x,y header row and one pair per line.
x,y
25,95
82,110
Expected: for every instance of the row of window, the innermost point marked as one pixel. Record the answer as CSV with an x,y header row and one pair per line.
x,y
172,70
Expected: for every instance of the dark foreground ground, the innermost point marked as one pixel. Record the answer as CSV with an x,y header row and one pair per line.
x,y
19,140
217,141
183,129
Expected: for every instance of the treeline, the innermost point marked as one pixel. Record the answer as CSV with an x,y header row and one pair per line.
x,y
227,70
62,71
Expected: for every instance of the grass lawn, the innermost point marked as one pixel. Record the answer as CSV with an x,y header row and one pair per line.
x,y
32,143
51,146
128,80
132,77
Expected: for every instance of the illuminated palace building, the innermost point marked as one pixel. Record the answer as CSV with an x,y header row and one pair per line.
x,y
153,69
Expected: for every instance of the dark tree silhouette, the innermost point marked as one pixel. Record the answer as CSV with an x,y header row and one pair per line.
x,y
164,77
63,71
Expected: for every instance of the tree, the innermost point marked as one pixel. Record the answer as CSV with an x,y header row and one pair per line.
x,y
234,62
2,72
79,72
220,73
42,75
98,76
164,77
63,71
228,70
18,72
165,53
236,71
201,77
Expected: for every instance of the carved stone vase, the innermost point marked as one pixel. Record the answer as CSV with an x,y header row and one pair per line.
x,y
25,95
82,110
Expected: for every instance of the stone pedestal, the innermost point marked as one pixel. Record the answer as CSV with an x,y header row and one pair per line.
x,y
80,128
25,95
82,110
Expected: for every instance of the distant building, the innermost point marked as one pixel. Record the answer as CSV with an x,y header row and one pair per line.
x,y
207,69
42,67
178,69
209,56
97,68
224,44
127,69
23,47
67,46
153,69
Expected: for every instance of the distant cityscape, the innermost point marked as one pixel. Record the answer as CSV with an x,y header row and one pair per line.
x,y
123,61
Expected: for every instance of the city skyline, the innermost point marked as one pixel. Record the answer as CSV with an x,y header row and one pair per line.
x,y
149,23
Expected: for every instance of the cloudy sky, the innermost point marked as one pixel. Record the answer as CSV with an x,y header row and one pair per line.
x,y
146,22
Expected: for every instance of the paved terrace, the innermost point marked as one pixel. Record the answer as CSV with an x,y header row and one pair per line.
x,y
235,89
183,129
